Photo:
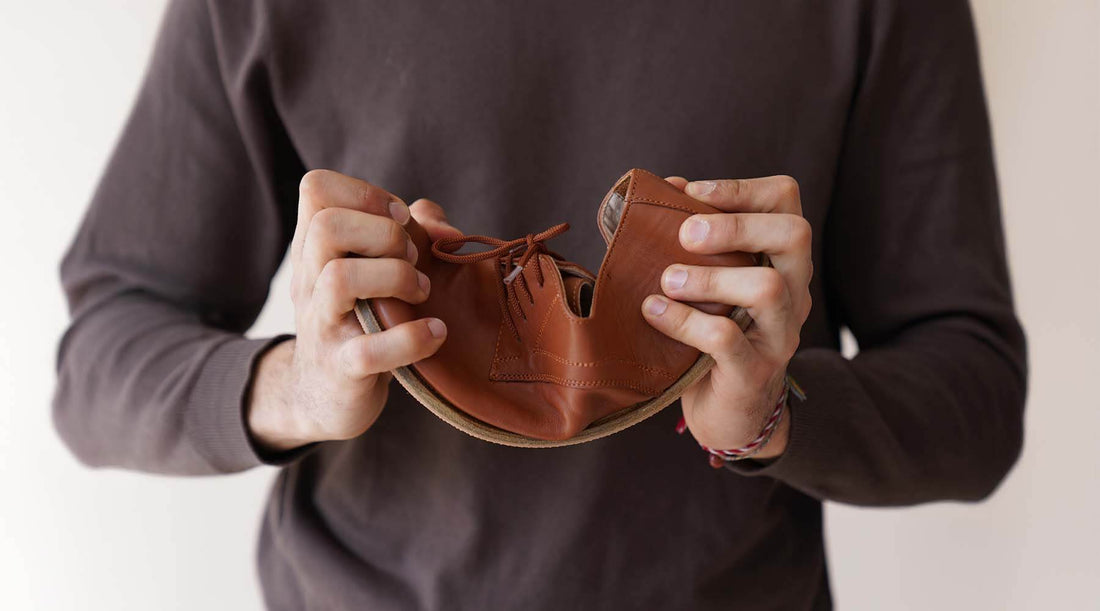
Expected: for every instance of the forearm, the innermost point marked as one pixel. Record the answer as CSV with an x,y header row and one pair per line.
x,y
174,258
144,385
935,416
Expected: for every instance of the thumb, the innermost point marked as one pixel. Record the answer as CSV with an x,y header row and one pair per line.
x,y
433,219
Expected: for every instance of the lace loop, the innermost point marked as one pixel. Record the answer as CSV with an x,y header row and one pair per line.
x,y
532,243
506,251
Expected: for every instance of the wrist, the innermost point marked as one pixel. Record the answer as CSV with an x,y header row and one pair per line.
x,y
773,438
777,443
269,415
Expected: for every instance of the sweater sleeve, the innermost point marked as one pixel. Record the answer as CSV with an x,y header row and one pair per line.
x,y
914,264
173,260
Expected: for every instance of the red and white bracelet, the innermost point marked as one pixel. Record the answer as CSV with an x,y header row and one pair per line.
x,y
718,458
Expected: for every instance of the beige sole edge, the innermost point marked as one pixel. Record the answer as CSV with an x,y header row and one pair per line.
x,y
608,425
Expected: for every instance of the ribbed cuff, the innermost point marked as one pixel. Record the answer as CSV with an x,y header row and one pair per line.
x,y
829,384
215,415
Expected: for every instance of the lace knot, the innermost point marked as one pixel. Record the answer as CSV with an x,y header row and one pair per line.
x,y
506,250
514,256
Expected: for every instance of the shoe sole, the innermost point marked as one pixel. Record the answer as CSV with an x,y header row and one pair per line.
x,y
608,425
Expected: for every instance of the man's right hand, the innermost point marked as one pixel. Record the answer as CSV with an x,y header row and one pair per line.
x,y
331,381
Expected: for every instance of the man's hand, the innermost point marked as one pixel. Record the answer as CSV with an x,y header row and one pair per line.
x,y
728,407
331,381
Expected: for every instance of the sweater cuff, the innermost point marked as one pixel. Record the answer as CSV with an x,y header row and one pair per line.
x,y
829,385
215,416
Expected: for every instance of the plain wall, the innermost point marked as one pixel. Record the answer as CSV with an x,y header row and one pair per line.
x,y
72,538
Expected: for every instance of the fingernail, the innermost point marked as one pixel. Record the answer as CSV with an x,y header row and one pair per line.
x,y
437,327
411,253
696,230
399,212
655,306
422,280
700,188
676,278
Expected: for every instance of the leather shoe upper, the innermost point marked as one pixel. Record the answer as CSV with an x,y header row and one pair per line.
x,y
542,347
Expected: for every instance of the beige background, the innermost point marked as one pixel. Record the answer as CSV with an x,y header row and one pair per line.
x,y
73,538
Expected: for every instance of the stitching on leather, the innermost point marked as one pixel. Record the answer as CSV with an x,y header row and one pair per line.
x,y
654,370
496,352
660,202
621,228
505,320
546,319
639,365
542,377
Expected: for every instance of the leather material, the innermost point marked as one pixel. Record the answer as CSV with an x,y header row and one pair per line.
x,y
546,359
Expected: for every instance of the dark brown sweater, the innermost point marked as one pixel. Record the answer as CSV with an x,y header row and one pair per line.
x,y
516,116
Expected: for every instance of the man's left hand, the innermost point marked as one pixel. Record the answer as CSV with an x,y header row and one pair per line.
x,y
729,406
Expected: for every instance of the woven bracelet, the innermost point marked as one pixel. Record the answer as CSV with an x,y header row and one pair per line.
x,y
718,458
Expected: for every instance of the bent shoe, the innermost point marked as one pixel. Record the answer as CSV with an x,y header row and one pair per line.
x,y
541,352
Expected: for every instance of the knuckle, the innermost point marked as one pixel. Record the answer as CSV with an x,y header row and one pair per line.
x,y
391,234
400,347
371,198
396,276
735,188
357,368
769,286
364,358
723,330
408,278
366,193
374,357
335,277
733,227
788,187
800,233
326,224
313,183
792,343
679,319
706,279
720,334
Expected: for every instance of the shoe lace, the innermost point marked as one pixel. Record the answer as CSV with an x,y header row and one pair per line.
x,y
513,255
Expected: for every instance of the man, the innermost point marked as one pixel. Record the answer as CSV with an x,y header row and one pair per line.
x,y
515,117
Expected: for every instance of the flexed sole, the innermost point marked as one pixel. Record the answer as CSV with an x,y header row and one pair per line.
x,y
608,425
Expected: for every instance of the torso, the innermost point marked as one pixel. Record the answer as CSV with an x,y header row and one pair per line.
x,y
515,117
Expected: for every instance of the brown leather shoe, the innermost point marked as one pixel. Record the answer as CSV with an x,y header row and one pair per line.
x,y
540,352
